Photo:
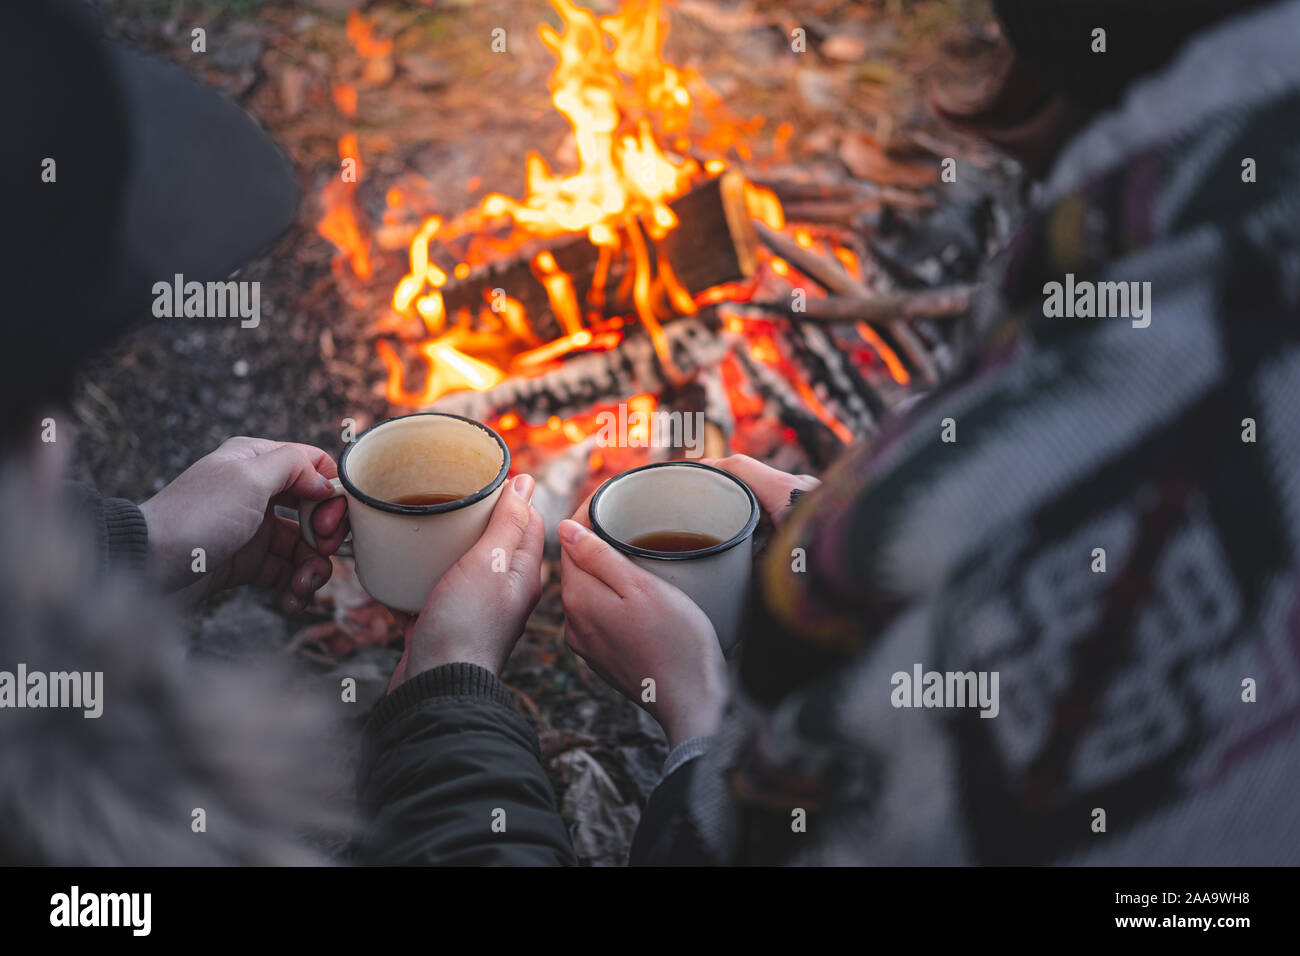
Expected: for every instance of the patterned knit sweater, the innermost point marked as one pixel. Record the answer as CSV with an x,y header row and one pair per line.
x,y
1102,514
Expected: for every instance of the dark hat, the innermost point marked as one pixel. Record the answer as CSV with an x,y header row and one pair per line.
x,y
120,170
1055,39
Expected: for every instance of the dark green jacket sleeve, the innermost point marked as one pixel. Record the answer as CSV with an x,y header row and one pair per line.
x,y
451,775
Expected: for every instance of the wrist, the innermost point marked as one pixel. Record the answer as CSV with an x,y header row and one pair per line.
x,y
700,717
158,559
700,723
440,656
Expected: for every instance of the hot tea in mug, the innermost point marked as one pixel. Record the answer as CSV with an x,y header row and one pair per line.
x,y
690,524
420,490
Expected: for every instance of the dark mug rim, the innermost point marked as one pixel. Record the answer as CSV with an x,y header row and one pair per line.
x,y
743,534
392,507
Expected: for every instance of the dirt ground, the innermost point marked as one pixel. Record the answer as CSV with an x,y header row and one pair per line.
x,y
448,111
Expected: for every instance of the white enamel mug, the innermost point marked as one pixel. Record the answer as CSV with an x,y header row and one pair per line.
x,y
402,551
686,496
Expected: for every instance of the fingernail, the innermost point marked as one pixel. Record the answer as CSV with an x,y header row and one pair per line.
x,y
524,486
570,531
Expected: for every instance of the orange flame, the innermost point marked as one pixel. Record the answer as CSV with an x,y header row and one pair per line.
x,y
887,355
614,95
345,98
359,35
339,223
449,370
610,81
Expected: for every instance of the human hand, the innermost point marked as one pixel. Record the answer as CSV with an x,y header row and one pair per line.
x,y
225,504
771,487
476,613
629,625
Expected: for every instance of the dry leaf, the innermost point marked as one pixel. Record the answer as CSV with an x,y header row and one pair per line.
x,y
865,159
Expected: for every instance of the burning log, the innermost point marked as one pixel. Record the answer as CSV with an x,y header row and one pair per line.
x,y
828,274
596,378
812,434
713,243
834,379
703,396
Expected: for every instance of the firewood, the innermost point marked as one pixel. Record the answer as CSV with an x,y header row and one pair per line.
x,y
715,441
812,434
594,378
794,191
834,378
712,244
830,275
693,398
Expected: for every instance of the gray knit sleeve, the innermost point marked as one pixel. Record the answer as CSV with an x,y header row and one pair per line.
x,y
685,751
121,536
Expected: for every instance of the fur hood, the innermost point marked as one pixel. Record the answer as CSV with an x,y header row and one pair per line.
x,y
252,749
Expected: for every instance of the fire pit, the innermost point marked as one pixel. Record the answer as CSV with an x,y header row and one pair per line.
x,y
661,274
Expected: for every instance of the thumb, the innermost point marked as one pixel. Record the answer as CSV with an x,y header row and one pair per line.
x,y
288,469
595,556
510,516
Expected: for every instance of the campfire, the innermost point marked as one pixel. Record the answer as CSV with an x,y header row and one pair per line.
x,y
671,269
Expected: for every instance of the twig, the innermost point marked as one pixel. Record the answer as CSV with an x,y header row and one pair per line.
x,y
876,309
793,191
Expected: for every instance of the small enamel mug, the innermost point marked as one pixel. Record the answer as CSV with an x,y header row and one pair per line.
x,y
403,550
680,496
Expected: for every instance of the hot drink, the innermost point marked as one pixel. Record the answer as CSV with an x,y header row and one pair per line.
x,y
644,513
675,541
428,498
403,551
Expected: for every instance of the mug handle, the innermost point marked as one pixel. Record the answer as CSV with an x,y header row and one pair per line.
x,y
308,509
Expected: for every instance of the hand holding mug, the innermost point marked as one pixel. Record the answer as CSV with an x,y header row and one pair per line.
x,y
477,611
225,504
776,490
421,489
628,624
